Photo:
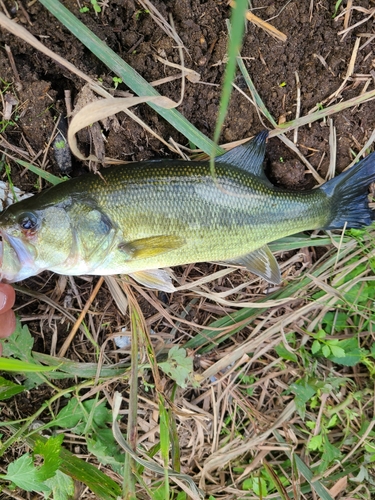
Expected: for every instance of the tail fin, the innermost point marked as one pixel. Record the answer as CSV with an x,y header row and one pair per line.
x,y
349,193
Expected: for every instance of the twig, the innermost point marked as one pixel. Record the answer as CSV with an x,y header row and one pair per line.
x,y
77,324
345,31
68,103
298,106
348,14
365,147
14,67
332,150
5,9
25,13
267,27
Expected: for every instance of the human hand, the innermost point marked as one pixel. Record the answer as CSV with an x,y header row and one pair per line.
x,y
7,316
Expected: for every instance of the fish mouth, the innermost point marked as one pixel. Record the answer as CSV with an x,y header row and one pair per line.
x,y
17,261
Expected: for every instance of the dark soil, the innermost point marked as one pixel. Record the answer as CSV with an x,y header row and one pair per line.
x,y
272,64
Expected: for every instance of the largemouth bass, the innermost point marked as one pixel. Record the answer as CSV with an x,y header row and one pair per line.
x,y
141,217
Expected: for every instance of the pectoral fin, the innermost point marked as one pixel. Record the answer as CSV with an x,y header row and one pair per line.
x,y
262,263
152,246
159,279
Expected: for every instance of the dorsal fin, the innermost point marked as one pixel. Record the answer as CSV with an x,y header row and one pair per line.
x,y
248,156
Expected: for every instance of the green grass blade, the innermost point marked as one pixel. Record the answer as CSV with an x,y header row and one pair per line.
x,y
164,442
256,97
53,179
127,74
234,46
301,240
129,478
306,472
72,369
174,436
14,365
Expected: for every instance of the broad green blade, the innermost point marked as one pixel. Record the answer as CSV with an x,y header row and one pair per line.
x,y
53,179
238,20
14,365
127,74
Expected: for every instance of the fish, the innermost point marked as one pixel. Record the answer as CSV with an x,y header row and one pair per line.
x,y
143,217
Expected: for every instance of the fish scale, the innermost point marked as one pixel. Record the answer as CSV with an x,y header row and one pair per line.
x,y
140,217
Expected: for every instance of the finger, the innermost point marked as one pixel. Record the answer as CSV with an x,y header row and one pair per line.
x,y
7,323
7,297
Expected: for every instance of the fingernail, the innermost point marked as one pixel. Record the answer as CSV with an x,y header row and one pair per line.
x,y
3,300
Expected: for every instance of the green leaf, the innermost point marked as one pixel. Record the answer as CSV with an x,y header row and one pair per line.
x,y
181,495
337,351
335,322
315,443
316,345
326,351
247,484
353,354
25,475
329,454
96,6
106,449
260,486
61,485
19,344
303,393
320,334
50,451
70,415
285,354
75,415
159,493
358,293
9,389
362,476
102,486
178,366
332,421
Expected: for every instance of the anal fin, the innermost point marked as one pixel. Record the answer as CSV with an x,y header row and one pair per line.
x,y
262,263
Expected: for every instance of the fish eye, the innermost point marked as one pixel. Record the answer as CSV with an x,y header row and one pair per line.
x,y
28,221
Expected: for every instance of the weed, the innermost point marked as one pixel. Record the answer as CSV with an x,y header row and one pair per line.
x,y
138,13
96,6
116,81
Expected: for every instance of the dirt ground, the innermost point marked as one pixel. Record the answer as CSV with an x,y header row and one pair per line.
x,y
314,51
